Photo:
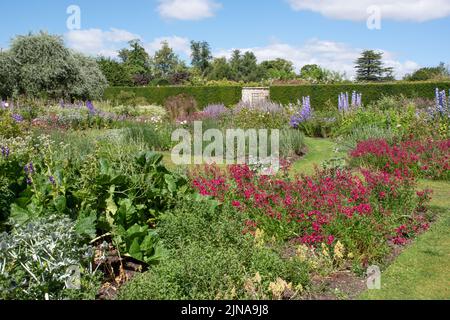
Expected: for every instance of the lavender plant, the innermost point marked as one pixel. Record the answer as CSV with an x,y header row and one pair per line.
x,y
215,111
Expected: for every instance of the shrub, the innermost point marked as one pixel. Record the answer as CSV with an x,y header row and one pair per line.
x,y
181,106
264,115
292,143
350,141
37,259
211,259
10,124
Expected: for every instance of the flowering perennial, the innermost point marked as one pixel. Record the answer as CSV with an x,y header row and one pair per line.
x,y
321,208
428,158
304,114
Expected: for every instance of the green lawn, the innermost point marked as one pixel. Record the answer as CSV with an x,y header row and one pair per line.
x,y
319,150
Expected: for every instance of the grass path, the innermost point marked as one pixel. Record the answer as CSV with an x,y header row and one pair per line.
x,y
319,150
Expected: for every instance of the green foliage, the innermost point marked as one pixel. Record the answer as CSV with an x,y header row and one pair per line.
x,y
91,82
370,67
201,55
279,69
210,258
136,63
292,143
8,74
39,65
326,96
165,62
9,128
229,95
44,65
429,73
37,259
315,74
365,132
115,72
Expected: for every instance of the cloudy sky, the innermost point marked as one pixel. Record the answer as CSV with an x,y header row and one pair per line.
x,y
332,33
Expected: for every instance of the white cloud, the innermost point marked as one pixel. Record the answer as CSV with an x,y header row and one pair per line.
x,y
178,44
331,55
107,43
188,9
356,10
99,42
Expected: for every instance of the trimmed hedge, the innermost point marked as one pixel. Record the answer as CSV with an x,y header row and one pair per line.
x,y
321,95
327,95
228,95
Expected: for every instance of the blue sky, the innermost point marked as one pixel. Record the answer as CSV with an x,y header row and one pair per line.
x,y
413,33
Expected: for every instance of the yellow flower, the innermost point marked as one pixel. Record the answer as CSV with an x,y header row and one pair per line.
x,y
278,288
259,237
257,278
339,251
325,250
302,253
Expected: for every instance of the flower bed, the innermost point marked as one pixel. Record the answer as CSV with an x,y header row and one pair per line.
x,y
427,159
363,213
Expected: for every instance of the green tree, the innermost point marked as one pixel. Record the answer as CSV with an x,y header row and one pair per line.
x,y
316,74
44,65
249,67
115,72
429,73
220,69
137,62
370,67
279,69
245,67
165,62
91,82
201,56
8,75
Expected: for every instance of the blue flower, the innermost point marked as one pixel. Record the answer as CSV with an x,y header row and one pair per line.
x,y
90,107
17,117
304,114
5,151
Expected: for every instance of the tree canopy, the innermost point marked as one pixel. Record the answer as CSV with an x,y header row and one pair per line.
x,y
40,65
370,67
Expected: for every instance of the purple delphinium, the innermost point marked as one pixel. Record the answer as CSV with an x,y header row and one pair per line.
x,y
304,114
215,111
442,104
29,168
17,117
3,104
52,180
356,99
90,107
343,103
5,151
